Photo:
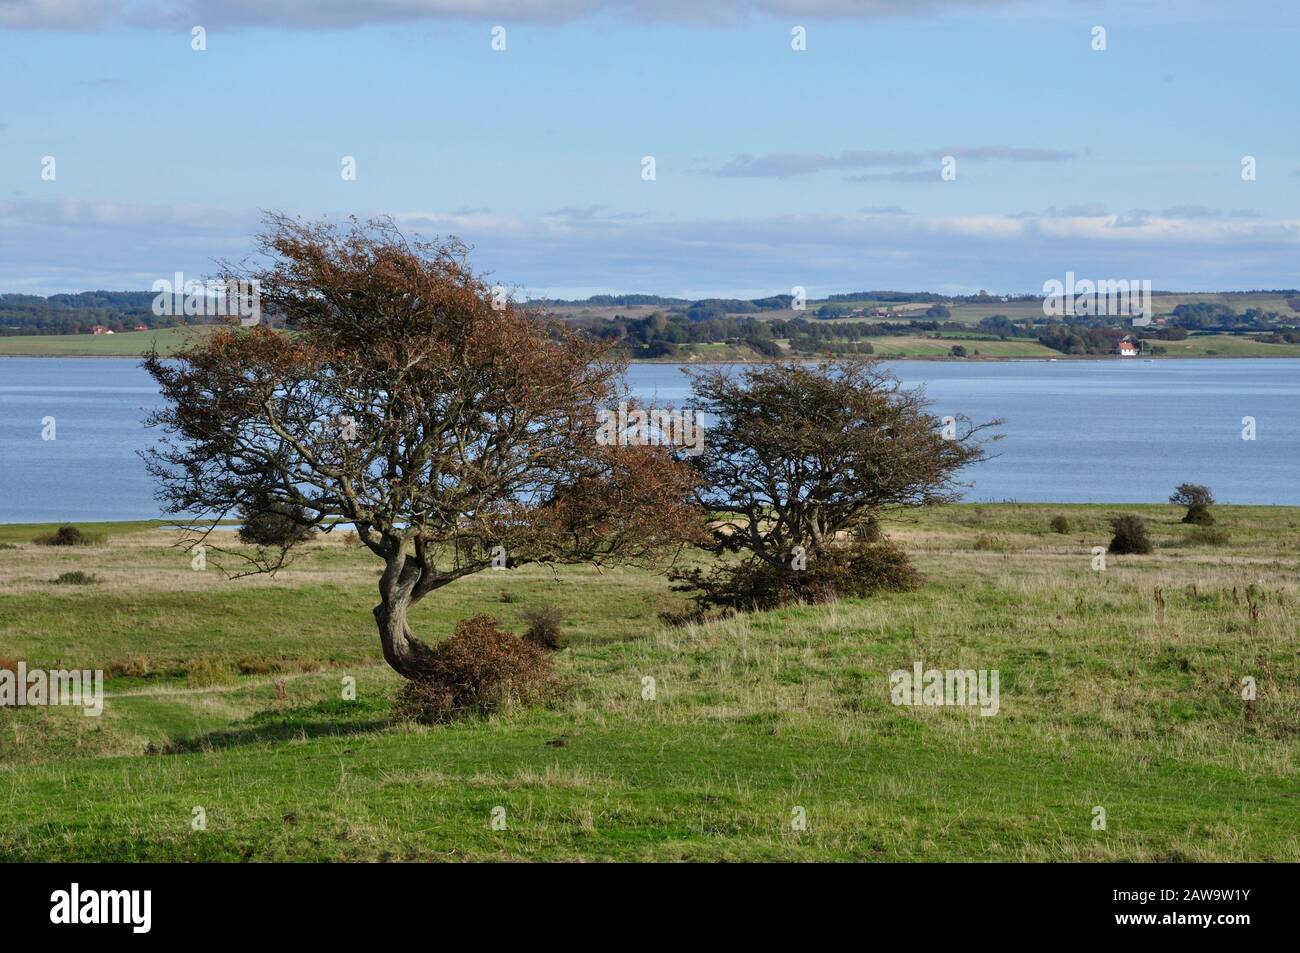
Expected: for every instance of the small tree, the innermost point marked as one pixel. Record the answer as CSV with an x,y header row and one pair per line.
x,y
798,455
453,429
1130,536
1197,499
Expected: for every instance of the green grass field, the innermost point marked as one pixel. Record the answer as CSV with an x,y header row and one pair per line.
x,y
940,347
1119,689
125,344
1163,304
1226,345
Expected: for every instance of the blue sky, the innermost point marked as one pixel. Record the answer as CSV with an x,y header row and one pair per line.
x,y
774,167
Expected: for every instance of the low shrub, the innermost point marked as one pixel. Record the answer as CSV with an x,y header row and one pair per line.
x,y
675,619
1060,524
543,627
1130,536
7,546
477,670
985,543
859,570
1205,536
75,578
67,535
1198,514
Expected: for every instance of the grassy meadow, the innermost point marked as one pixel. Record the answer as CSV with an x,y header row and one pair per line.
x,y
122,344
1119,689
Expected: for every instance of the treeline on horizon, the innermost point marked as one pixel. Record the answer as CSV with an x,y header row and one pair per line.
x,y
747,323
78,313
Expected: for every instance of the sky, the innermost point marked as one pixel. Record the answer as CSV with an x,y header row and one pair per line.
x,y
773,167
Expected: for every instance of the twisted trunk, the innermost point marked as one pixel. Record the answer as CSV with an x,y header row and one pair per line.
x,y
405,653
404,582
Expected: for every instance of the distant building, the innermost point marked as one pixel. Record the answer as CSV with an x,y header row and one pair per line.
x,y
99,329
141,327
1128,348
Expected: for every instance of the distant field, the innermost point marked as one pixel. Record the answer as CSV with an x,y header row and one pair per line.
x,y
126,344
1162,304
1226,345
1119,689
134,343
937,347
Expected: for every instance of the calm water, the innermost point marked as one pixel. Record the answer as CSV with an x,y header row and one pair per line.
x,y
1076,431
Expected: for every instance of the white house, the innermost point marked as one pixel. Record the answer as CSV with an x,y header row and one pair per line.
x,y
1128,348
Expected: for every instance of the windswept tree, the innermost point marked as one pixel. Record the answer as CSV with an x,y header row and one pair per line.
x,y
800,459
1198,499
452,429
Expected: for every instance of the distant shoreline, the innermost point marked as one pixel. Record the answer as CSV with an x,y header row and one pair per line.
x,y
941,359
8,531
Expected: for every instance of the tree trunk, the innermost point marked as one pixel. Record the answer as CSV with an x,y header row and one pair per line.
x,y
405,653
403,583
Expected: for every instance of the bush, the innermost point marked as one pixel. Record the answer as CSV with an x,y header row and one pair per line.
x,y
860,570
1198,514
265,527
675,619
1130,536
7,546
64,536
989,544
75,578
543,627
1204,536
1060,524
478,669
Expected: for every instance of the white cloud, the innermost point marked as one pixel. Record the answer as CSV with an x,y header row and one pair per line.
x,y
76,246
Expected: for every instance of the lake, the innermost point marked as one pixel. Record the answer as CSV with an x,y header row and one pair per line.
x,y
1108,431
